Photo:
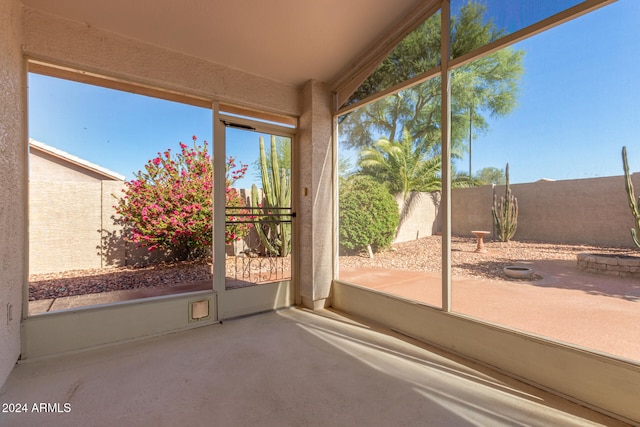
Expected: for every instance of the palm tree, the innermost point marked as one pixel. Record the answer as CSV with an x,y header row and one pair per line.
x,y
406,166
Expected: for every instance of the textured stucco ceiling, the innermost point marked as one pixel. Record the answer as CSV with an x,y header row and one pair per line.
x,y
289,41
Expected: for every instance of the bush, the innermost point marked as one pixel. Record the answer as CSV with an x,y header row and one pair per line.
x,y
168,206
368,215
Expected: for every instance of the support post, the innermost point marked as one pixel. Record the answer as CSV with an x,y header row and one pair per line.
x,y
446,156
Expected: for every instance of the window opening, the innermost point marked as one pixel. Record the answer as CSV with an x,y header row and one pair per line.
x,y
92,146
527,105
561,147
390,192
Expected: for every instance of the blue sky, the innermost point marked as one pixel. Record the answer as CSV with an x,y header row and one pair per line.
x,y
122,131
511,16
114,129
579,104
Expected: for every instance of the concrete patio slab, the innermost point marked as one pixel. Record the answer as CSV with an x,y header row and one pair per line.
x,y
597,312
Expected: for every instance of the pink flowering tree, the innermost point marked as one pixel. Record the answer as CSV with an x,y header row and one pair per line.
x,y
168,206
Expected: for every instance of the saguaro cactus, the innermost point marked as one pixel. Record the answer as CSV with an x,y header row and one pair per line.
x,y
505,212
271,210
633,202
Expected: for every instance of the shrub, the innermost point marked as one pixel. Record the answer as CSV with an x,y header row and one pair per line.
x,y
368,214
169,206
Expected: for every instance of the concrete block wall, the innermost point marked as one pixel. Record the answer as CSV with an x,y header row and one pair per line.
x,y
114,249
72,223
419,216
593,211
72,226
471,209
65,219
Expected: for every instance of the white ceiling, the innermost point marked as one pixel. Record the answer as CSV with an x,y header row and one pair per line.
x,y
289,41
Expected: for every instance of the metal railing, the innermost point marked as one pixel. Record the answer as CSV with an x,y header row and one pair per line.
x,y
258,252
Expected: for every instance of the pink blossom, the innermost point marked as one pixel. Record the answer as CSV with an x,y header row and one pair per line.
x,y
170,202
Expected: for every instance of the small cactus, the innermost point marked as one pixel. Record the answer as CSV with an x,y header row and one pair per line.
x,y
633,203
505,212
272,223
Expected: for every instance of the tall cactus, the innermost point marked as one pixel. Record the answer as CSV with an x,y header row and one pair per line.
x,y
633,203
272,214
505,212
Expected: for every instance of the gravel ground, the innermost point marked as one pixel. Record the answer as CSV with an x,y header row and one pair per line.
x,y
80,282
417,255
425,255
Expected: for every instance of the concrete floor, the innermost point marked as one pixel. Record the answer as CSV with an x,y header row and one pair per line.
x,y
286,368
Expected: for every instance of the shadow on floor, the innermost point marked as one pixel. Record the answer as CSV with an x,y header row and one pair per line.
x,y
286,368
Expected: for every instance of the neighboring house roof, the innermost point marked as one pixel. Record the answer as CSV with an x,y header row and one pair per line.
x,y
77,161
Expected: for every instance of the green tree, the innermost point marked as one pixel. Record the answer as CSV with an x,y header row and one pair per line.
x,y
490,175
485,87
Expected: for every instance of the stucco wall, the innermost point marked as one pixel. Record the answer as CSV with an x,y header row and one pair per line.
x,y
581,211
77,45
13,153
315,206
